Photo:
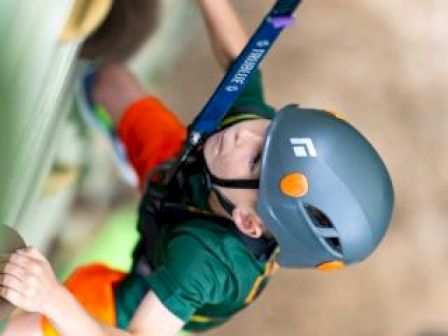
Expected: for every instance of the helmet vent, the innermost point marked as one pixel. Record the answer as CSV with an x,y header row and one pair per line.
x,y
322,222
334,243
318,218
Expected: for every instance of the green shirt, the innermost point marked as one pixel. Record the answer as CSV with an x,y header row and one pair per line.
x,y
204,273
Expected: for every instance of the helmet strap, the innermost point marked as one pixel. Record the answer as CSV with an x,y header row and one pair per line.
x,y
227,205
266,244
236,184
212,180
231,183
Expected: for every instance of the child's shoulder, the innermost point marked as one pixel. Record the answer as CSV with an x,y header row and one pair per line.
x,y
217,242
205,232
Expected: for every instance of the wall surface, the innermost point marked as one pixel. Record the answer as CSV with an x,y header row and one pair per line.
x,y
35,70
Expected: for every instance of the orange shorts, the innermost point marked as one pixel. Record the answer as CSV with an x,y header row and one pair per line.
x,y
92,285
151,134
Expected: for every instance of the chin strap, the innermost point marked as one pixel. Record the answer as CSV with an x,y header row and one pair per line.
x,y
262,247
224,201
237,184
213,180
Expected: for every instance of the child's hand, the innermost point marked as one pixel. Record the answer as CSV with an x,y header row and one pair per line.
x,y
27,280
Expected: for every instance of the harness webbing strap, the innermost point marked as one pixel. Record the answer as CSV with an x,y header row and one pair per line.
x,y
247,62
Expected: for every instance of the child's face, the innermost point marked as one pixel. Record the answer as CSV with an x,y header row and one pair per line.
x,y
234,153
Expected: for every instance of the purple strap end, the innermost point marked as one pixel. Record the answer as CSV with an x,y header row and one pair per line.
x,y
282,21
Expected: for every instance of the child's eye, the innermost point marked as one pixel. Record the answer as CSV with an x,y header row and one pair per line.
x,y
254,161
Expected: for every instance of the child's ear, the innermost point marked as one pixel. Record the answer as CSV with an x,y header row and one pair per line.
x,y
247,221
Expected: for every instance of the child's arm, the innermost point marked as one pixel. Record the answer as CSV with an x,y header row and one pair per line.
x,y
152,318
225,30
28,281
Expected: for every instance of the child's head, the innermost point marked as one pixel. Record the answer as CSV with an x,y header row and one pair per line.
x,y
324,192
235,154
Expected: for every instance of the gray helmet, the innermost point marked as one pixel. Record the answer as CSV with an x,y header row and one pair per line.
x,y
325,194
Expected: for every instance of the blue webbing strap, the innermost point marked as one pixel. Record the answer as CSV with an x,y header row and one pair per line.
x,y
235,80
247,62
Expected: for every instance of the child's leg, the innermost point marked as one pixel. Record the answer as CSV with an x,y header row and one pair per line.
x,y
150,132
116,88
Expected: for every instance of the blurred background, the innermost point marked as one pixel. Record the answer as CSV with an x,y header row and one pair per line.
x,y
380,63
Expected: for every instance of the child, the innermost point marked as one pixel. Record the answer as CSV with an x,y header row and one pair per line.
x,y
299,187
